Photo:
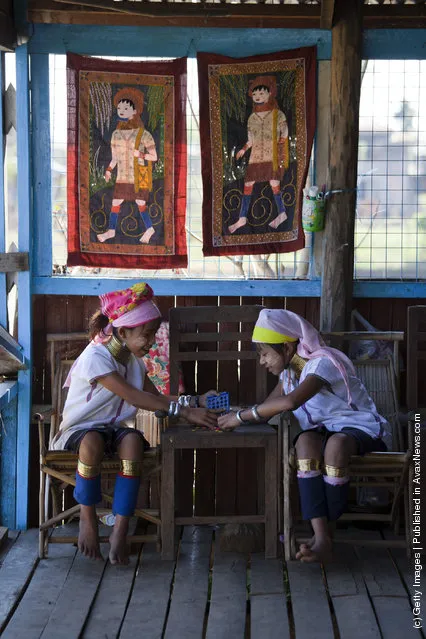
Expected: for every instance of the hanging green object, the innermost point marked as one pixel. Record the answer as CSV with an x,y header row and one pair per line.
x,y
313,209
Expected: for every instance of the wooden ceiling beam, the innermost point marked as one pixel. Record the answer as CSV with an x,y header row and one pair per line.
x,y
302,16
327,12
178,14
188,10
409,16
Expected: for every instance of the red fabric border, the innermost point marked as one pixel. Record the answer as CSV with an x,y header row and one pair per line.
x,y
76,256
204,61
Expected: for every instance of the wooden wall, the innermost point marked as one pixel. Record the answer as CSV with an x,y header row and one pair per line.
x,y
238,489
66,314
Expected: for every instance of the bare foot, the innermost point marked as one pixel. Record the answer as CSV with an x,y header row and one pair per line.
x,y
103,237
119,552
88,537
278,220
319,551
241,222
147,235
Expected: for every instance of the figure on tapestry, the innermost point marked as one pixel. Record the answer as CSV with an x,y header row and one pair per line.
x,y
267,141
257,124
126,165
133,151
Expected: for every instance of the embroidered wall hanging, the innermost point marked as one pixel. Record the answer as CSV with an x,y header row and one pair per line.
x,y
257,123
126,163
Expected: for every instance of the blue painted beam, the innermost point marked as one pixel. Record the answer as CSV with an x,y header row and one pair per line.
x,y
389,289
3,295
384,44
24,282
41,165
266,288
8,484
172,41
94,286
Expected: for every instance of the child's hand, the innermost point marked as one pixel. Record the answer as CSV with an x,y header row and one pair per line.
x,y
200,417
228,421
203,398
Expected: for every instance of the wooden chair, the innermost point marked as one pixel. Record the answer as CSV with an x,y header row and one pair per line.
x,y
57,468
218,341
416,356
387,470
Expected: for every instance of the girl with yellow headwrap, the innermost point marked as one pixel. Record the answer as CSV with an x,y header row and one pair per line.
x,y
336,415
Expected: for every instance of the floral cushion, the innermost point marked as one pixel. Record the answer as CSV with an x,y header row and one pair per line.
x,y
157,362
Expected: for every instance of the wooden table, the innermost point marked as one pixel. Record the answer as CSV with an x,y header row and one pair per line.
x,y
187,436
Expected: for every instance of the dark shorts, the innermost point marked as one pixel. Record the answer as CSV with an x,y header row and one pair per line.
x,y
365,443
111,436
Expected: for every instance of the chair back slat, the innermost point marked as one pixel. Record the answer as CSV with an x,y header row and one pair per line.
x,y
202,334
379,379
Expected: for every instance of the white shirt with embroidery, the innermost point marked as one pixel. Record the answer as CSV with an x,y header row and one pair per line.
x,y
329,407
89,404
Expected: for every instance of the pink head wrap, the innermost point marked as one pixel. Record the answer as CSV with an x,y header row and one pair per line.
x,y
129,307
310,345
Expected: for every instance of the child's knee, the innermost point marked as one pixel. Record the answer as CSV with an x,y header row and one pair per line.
x,y
131,447
92,447
308,445
339,448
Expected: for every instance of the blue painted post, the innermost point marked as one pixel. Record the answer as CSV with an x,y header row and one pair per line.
x,y
41,166
24,282
3,296
8,412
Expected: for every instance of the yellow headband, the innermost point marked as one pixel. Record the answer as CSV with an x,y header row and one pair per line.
x,y
267,336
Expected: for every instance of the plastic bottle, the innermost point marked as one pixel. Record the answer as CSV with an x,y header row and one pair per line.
x,y
108,520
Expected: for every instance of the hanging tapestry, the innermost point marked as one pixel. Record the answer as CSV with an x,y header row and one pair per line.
x,y
257,123
126,163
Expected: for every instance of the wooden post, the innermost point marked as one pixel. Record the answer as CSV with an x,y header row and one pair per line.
x,y
337,275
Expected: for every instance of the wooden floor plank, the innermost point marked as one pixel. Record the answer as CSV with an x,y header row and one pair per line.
x,y
16,570
146,614
228,600
76,597
111,600
33,612
190,588
307,585
354,613
267,575
269,618
395,617
379,572
355,617
386,589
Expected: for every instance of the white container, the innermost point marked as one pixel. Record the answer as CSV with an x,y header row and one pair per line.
x,y
108,520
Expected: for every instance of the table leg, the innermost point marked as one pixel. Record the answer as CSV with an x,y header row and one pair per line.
x,y
167,512
271,486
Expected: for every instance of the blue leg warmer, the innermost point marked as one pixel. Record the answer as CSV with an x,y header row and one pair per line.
x,y
87,491
312,497
125,495
337,498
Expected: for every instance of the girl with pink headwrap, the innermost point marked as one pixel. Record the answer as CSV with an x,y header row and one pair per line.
x,y
107,384
337,417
